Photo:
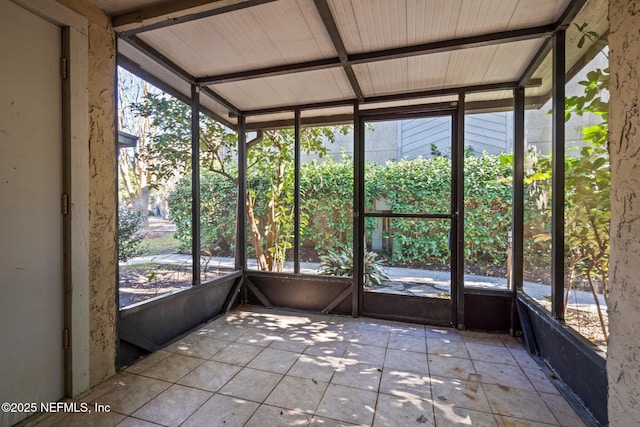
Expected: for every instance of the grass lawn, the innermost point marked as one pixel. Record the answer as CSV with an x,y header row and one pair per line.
x,y
161,243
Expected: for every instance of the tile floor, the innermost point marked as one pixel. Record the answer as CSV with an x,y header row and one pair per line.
x,y
259,367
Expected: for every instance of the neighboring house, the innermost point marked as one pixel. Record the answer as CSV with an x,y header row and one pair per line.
x,y
487,132
428,137
126,140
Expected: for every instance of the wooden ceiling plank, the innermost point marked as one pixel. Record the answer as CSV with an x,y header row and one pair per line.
x,y
394,53
176,12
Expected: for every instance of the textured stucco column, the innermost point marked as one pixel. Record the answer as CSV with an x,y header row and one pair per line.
x,y
623,359
102,197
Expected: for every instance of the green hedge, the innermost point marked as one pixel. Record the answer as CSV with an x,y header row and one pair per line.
x,y
420,185
424,186
218,200
326,203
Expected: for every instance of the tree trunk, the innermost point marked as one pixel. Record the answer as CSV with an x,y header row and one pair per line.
x,y
140,204
273,233
595,297
270,234
123,161
139,194
255,232
569,288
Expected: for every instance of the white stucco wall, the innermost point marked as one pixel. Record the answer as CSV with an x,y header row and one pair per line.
x,y
101,178
623,364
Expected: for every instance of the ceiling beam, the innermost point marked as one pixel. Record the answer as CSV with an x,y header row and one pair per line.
x,y
332,29
570,74
569,13
535,62
386,54
446,91
305,121
451,45
134,68
391,98
278,70
176,12
153,53
567,16
176,69
317,105
473,107
499,105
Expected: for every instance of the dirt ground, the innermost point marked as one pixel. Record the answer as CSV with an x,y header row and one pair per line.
x,y
142,282
145,281
587,324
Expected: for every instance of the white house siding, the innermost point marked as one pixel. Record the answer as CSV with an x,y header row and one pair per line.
x,y
491,133
418,136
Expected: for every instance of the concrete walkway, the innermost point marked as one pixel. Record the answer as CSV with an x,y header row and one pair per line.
x,y
406,281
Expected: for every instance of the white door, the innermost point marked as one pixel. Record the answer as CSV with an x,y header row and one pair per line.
x,y
31,237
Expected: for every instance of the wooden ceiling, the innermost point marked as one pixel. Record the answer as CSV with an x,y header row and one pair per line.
x,y
264,58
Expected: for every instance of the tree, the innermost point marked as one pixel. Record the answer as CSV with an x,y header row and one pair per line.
x,y
587,184
269,202
588,181
273,157
170,150
130,238
136,173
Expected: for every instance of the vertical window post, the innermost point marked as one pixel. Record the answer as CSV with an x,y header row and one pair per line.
x,y
558,175
195,183
296,195
241,238
457,208
358,210
517,225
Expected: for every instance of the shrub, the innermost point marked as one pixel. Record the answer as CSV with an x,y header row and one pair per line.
x,y
341,264
488,194
326,191
424,186
414,186
218,200
130,237
420,185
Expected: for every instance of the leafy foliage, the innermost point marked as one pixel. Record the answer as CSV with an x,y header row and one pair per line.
x,y
420,185
269,202
326,190
341,264
170,152
217,213
272,158
488,191
414,186
130,237
587,184
424,185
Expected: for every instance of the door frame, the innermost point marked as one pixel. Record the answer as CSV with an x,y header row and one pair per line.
x,y
422,310
75,128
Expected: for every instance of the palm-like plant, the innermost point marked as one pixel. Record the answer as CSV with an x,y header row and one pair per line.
x,y
341,264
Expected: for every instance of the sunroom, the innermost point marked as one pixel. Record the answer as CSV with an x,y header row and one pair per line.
x,y
438,166
451,80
